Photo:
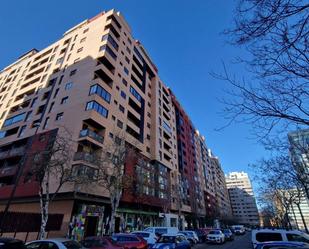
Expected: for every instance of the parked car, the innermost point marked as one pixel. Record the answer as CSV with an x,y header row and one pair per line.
x,y
11,243
239,230
193,235
201,235
60,243
100,243
172,241
281,245
130,241
228,234
151,238
189,237
158,231
216,236
266,235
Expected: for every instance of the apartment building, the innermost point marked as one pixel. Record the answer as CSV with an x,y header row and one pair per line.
x,y
205,179
96,81
222,198
190,178
99,84
242,198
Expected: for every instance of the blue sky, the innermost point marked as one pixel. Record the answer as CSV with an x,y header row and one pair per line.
x,y
182,37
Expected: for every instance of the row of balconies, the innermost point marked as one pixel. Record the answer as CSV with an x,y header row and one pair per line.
x,y
12,152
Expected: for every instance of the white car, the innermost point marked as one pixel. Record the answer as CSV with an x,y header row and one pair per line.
x,y
216,236
151,238
158,231
266,235
60,243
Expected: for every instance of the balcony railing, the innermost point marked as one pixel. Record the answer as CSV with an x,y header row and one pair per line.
x,y
91,134
13,152
86,157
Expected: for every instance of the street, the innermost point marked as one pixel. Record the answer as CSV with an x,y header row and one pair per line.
x,y
240,242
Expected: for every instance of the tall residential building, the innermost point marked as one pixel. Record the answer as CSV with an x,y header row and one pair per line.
x,y
96,82
223,203
242,198
299,149
192,197
206,179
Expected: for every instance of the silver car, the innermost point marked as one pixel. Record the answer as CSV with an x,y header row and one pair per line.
x,y
59,243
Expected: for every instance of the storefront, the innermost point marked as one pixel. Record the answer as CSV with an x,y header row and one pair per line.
x,y
132,220
87,220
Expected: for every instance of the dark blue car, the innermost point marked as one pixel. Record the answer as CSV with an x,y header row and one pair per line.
x,y
281,245
172,241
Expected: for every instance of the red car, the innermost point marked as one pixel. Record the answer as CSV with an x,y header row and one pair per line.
x,y
100,243
130,241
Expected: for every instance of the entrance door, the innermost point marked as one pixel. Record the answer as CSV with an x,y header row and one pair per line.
x,y
91,226
117,224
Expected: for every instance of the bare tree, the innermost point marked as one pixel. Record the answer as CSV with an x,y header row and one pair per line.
x,y
111,173
51,167
275,33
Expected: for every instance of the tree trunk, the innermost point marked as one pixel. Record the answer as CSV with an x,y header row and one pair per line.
x,y
115,199
44,203
295,217
302,217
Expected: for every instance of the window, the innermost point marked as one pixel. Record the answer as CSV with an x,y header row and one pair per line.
x,y
68,85
82,40
93,105
126,71
86,30
297,237
109,51
14,119
262,237
64,100
123,95
79,50
46,123
22,131
59,116
111,40
60,60
119,124
135,94
97,89
73,72
121,108
51,106
124,82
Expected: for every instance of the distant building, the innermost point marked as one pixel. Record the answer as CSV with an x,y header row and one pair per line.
x,y
298,212
242,198
299,149
223,203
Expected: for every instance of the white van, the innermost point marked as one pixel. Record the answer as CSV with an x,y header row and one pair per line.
x,y
265,235
158,231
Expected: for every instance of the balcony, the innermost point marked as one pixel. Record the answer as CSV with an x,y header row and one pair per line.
x,y
91,134
8,171
13,152
86,157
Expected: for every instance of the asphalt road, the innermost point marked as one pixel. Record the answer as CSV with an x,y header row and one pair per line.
x,y
240,242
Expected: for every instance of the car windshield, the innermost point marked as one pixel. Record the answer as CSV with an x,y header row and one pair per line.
x,y
226,231
214,232
70,244
144,235
167,239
